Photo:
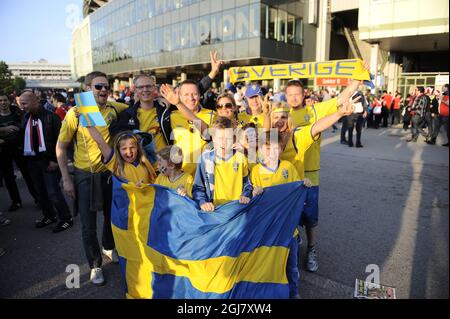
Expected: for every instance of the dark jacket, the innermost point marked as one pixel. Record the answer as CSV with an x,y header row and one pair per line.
x,y
51,124
434,106
13,139
421,105
362,100
128,119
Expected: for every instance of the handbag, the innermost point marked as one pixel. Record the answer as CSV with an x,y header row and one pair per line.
x,y
377,110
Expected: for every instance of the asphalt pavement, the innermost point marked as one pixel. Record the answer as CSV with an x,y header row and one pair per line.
x,y
382,206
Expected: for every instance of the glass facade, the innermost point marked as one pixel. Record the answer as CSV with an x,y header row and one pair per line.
x,y
279,25
129,35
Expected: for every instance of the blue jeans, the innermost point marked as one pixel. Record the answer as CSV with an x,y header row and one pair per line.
x,y
310,216
292,272
439,121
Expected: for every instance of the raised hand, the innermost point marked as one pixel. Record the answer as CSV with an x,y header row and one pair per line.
x,y
266,104
169,94
366,65
348,106
216,63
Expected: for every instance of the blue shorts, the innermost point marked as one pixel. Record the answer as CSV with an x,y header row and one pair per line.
x,y
310,216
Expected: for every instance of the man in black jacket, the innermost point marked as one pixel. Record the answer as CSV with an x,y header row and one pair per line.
x,y
420,115
41,131
11,151
357,119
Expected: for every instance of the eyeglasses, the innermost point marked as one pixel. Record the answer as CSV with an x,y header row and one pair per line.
x,y
148,87
225,105
101,86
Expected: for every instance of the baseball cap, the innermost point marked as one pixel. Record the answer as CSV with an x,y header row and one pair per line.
x,y
253,90
279,97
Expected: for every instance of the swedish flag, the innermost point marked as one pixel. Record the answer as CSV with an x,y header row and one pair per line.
x,y
170,249
89,112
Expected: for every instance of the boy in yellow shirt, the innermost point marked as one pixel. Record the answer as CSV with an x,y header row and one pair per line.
x,y
222,173
272,172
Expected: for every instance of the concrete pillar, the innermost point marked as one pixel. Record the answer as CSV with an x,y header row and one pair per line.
x,y
116,85
323,33
183,76
374,48
226,78
276,85
393,73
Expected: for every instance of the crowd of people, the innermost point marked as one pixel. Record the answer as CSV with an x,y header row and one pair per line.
x,y
214,147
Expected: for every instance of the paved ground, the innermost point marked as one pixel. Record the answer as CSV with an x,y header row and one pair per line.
x,y
385,204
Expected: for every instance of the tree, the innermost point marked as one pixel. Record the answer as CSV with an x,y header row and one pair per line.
x,y
19,84
6,85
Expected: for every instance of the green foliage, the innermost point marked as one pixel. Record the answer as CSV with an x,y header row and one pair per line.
x,y
8,83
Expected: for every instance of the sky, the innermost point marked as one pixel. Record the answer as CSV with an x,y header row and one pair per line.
x,y
37,29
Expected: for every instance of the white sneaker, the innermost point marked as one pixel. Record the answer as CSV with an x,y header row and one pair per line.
x,y
312,264
111,254
97,276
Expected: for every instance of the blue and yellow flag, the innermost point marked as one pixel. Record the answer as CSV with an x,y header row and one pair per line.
x,y
353,69
89,112
170,249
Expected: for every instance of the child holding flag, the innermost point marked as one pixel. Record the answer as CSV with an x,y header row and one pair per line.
x,y
222,174
272,172
126,160
170,162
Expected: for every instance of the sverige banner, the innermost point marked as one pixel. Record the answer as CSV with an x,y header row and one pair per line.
x,y
353,69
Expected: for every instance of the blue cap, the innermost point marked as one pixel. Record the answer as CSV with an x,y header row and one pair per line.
x,y
253,90
231,87
279,97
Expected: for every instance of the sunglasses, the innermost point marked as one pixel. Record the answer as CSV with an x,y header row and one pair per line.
x,y
225,105
99,87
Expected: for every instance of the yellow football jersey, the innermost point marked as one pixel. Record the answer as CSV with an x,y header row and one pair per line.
x,y
184,180
307,116
133,172
188,138
244,118
229,177
263,176
296,147
148,123
87,155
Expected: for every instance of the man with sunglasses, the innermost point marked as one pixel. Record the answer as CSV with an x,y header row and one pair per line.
x,y
90,189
